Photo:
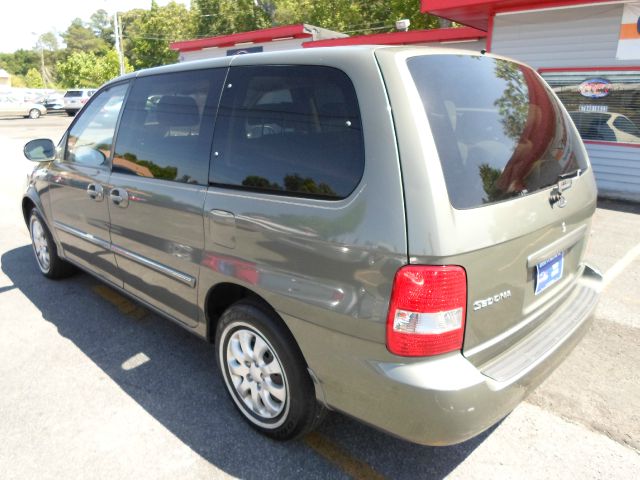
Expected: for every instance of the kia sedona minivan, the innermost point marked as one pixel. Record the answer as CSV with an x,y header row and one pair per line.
x,y
396,233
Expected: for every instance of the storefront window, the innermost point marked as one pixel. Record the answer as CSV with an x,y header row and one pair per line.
x,y
604,105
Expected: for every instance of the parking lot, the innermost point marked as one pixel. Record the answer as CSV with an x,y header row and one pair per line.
x,y
94,386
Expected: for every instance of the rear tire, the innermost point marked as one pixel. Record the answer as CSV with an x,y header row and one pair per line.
x,y
34,113
71,113
44,248
264,372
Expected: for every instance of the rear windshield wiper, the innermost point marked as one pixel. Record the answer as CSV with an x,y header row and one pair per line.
x,y
575,173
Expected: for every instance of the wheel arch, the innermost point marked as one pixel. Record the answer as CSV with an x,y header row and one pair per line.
x,y
31,201
222,295
27,205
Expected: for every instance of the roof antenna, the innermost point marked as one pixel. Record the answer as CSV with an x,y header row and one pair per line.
x,y
483,51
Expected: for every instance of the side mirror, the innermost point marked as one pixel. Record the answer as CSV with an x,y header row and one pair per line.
x,y
40,150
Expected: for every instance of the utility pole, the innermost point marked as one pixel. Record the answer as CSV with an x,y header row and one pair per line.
x,y
42,68
116,28
42,72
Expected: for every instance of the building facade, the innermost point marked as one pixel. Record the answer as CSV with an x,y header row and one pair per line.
x,y
266,40
5,78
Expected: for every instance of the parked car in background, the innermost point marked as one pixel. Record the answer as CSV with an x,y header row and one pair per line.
x,y
14,107
75,99
54,103
356,228
606,127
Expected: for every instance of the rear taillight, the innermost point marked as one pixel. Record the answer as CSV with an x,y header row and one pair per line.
x,y
427,310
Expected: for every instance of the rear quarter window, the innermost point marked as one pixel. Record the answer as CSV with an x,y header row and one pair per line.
x,y
289,130
499,131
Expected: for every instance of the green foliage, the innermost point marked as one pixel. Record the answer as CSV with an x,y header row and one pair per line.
x,y
148,33
20,62
87,59
387,12
220,17
333,14
490,177
86,69
48,41
101,24
80,38
18,81
33,79
260,182
513,105
357,16
292,183
295,183
168,173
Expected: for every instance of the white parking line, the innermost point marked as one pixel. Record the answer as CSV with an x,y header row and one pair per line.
x,y
620,265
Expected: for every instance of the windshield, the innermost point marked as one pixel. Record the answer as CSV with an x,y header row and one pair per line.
x,y
499,131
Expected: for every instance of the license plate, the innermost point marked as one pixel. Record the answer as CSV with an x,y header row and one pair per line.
x,y
549,272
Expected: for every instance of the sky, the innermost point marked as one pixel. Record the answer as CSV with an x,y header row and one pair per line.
x,y
23,21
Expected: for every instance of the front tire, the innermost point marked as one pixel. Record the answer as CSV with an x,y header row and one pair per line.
x,y
44,248
264,372
34,113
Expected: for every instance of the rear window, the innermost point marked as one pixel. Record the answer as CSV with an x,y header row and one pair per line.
x,y
73,93
498,130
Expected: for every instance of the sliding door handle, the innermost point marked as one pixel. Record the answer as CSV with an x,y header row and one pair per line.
x,y
95,192
119,197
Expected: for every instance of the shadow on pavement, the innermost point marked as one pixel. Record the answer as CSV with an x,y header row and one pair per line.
x,y
181,389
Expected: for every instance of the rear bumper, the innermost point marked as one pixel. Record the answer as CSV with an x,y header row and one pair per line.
x,y
446,399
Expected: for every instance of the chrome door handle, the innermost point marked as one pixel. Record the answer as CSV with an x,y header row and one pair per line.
x,y
119,197
95,192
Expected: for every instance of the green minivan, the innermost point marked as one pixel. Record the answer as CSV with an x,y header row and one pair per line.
x,y
396,233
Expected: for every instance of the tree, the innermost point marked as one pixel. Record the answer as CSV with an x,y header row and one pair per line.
x,y
148,33
20,61
221,17
33,79
18,81
101,24
48,41
357,16
86,69
47,47
387,12
513,104
80,38
340,15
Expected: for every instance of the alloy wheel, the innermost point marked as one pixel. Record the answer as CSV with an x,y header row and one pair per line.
x,y
40,245
256,374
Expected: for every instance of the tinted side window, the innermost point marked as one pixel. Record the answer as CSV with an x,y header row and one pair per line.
x,y
91,136
294,130
167,125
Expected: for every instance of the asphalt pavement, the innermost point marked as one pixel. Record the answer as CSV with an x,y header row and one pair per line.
x,y
94,386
